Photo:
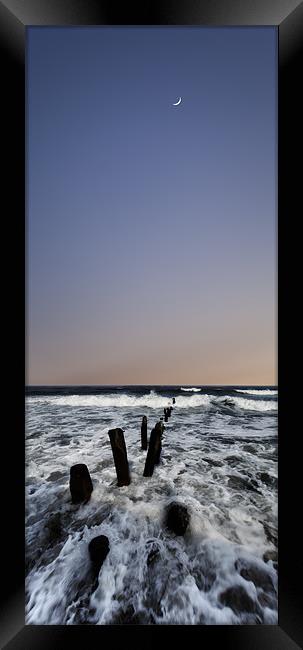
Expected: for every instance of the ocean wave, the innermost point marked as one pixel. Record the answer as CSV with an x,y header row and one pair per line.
x,y
248,404
150,400
266,391
191,390
154,401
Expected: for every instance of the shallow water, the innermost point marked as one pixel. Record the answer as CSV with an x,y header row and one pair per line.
x,y
219,458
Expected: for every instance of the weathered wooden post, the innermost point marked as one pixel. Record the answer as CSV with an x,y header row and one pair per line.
x,y
154,450
160,428
177,518
98,549
80,483
174,401
144,433
117,442
166,415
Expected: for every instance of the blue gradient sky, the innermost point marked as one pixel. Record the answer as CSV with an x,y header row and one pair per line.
x,y
151,252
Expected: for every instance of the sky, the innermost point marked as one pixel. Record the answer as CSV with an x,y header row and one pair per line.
x,y
151,228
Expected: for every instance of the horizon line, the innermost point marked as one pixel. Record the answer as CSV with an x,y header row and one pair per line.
x,y
147,385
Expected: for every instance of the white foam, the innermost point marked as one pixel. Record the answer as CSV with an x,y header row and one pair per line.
x,y
191,390
150,400
267,391
153,400
253,405
226,524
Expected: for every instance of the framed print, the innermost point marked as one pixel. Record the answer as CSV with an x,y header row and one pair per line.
x,y
150,171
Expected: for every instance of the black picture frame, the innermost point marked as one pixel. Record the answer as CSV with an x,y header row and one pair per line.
x,y
15,17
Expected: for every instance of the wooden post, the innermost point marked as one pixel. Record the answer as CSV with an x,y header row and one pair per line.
x,y
80,483
144,433
117,442
159,428
166,415
154,450
174,401
98,549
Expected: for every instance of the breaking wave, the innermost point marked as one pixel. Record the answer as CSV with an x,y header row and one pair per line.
x,y
154,401
266,391
249,404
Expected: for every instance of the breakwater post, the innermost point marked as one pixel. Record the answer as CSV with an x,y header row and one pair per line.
x,y
167,412
98,549
144,433
159,428
154,450
80,483
117,442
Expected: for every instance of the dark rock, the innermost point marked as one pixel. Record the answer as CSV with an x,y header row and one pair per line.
x,y
80,483
237,599
177,518
98,549
239,483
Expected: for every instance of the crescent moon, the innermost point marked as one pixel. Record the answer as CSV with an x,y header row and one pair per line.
x,y
178,102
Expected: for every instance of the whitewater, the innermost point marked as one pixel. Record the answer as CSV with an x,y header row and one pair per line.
x,y
219,459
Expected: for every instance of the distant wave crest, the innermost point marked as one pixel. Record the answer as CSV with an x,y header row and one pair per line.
x,y
154,401
191,390
249,404
266,391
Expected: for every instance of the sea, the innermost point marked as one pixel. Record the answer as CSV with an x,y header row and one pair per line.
x,y
219,460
